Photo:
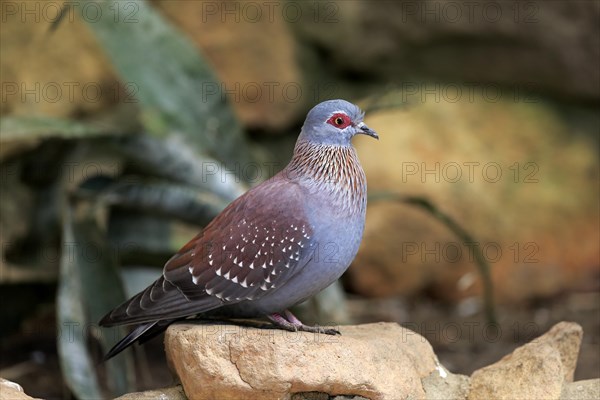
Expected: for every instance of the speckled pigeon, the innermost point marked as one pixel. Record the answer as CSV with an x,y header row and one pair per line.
x,y
275,246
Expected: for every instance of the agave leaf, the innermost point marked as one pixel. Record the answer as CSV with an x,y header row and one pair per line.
x,y
177,90
90,286
20,134
160,198
101,282
139,237
173,160
22,128
75,359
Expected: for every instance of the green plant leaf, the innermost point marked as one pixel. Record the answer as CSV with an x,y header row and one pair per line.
x,y
90,286
101,280
173,160
75,359
177,90
160,198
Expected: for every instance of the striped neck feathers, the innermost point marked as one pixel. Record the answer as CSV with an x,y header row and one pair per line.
x,y
330,168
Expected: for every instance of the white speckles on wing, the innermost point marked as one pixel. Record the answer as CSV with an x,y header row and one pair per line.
x,y
256,257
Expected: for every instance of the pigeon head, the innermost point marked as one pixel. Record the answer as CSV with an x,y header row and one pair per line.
x,y
334,122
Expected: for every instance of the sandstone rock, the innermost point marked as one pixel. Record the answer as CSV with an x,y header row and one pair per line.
x,y
534,44
253,51
375,361
172,393
254,57
536,370
12,391
61,73
441,384
581,390
505,170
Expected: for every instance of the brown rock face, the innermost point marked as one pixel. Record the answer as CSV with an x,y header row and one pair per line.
x,y
61,73
548,46
376,361
373,361
512,174
252,50
172,393
537,370
12,391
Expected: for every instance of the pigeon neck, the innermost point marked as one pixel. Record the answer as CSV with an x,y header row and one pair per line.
x,y
332,169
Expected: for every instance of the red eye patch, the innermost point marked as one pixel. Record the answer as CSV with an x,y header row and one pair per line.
x,y
339,120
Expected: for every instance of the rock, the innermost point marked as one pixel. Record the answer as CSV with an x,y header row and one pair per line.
x,y
536,370
254,57
375,361
581,390
441,384
253,51
172,393
48,79
504,170
12,391
533,45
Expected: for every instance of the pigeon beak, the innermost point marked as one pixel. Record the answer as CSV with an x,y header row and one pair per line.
x,y
365,130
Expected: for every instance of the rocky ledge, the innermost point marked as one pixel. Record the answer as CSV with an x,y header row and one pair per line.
x,y
373,361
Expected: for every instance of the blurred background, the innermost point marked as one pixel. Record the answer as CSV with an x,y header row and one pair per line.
x,y
128,125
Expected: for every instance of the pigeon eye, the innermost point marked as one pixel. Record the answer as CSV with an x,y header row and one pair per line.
x,y
339,120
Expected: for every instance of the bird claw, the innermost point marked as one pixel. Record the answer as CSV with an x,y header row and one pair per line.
x,y
293,324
